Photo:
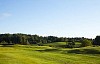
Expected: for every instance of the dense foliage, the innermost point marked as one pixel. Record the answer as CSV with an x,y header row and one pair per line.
x,y
25,39
97,41
85,43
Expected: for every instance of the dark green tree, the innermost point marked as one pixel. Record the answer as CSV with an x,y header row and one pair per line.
x,y
97,41
71,44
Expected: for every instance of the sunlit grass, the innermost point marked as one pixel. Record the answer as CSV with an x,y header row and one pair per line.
x,y
26,54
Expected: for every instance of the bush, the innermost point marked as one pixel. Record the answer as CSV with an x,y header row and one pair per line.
x,y
3,42
70,44
85,43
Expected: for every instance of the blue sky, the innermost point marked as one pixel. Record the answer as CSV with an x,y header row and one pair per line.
x,y
66,18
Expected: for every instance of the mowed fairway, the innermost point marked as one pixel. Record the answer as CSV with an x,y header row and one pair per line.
x,y
25,54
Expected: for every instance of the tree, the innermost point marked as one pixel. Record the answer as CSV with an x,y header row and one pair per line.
x,y
35,39
71,44
4,42
85,42
24,40
97,41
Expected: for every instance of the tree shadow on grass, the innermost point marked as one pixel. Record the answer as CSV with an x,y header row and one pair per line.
x,y
49,50
84,51
7,46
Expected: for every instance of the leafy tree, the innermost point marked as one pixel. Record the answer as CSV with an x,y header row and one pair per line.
x,y
97,41
85,42
24,40
35,39
71,44
4,42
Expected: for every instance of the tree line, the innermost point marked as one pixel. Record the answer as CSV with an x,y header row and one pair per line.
x,y
25,39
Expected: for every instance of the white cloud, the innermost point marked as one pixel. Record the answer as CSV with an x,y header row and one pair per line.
x,y
5,15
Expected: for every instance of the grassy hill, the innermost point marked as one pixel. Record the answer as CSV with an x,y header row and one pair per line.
x,y
26,54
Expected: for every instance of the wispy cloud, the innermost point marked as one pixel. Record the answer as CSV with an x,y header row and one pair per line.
x,y
4,15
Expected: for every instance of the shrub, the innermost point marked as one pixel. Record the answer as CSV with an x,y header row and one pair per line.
x,y
85,43
70,44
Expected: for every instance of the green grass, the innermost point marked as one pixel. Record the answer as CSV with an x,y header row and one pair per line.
x,y
26,54
61,44
56,44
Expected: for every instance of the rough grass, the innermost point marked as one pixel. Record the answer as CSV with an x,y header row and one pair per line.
x,y
26,54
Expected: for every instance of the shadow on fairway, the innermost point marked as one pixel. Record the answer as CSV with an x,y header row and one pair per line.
x,y
7,45
48,50
84,51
